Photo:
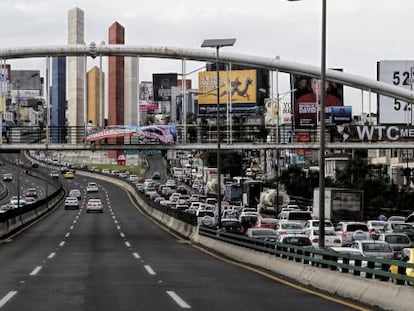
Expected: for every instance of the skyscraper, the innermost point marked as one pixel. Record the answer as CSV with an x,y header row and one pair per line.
x,y
94,95
76,75
58,99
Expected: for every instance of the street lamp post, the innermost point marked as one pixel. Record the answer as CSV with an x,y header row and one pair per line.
x,y
322,147
217,44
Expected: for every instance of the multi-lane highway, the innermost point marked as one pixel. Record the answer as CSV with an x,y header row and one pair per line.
x,y
121,260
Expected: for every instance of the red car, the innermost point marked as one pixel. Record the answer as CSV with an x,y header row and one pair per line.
x,y
31,192
266,223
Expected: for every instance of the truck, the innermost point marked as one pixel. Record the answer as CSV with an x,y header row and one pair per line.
x,y
251,190
270,203
341,204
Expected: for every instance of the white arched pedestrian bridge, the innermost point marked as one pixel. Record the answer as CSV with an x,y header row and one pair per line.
x,y
93,50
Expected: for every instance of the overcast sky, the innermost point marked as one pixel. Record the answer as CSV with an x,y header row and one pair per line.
x,y
359,32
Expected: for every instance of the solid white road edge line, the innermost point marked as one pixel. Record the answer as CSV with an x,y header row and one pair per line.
x,y
149,270
178,300
6,298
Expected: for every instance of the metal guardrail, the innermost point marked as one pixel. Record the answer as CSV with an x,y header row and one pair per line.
x,y
367,267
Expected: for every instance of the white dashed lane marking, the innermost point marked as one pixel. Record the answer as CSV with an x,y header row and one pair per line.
x,y
122,235
6,298
127,244
62,243
36,270
149,270
136,255
178,300
51,255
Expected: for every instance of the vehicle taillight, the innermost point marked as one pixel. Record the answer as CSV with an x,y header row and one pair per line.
x,y
344,234
315,240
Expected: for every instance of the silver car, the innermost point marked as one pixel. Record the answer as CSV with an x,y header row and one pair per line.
x,y
380,249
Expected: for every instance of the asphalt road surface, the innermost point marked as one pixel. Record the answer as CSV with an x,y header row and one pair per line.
x,y
121,260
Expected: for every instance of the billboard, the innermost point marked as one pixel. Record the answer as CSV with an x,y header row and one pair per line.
x,y
236,86
341,114
398,73
306,100
145,91
162,83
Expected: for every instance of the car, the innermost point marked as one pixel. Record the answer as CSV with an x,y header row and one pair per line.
x,y
156,175
7,177
54,174
314,223
407,256
298,216
17,201
295,239
71,203
248,219
75,193
206,218
267,222
94,205
30,200
92,187
31,192
372,248
376,226
288,227
352,231
396,219
395,227
344,252
331,238
265,234
232,226
398,241
69,175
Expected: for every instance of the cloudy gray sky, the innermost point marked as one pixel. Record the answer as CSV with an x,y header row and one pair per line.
x,y
360,32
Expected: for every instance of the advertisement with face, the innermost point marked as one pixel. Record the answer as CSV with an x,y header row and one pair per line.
x,y
306,100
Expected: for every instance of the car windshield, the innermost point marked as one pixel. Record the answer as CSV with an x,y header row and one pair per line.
x,y
290,225
263,232
300,241
327,232
376,247
268,221
397,239
230,224
205,213
300,216
355,227
403,227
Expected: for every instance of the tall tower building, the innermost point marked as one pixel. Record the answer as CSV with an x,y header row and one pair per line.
x,y
116,78
76,75
131,91
58,99
95,95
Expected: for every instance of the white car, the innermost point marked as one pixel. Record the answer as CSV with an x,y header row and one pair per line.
x,y
7,177
92,187
75,193
71,203
94,205
314,223
331,238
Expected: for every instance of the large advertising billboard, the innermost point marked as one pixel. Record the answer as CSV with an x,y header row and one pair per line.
x,y
398,73
238,87
162,83
306,100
